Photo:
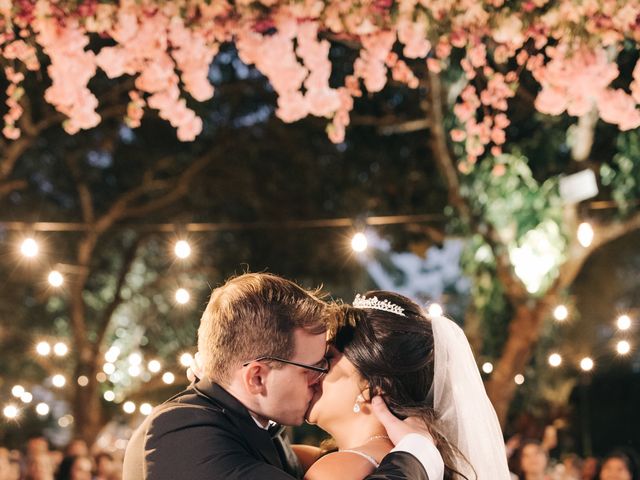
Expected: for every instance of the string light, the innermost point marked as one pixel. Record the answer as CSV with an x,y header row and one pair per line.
x,y
83,380
487,367
65,421
168,378
135,359
58,381
109,396
623,347
112,354
154,366
555,360
17,391
134,370
101,377
146,409
182,249
43,349
186,359
586,364
55,278
585,234
624,322
435,310
561,313
26,397
108,368
182,296
129,407
519,379
60,349
11,412
359,242
42,409
29,247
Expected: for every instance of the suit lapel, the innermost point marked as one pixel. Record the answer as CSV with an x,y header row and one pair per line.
x,y
257,438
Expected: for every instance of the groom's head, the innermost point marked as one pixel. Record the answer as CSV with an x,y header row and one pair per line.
x,y
253,322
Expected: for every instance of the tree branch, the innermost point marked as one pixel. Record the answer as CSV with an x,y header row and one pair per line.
x,y
127,262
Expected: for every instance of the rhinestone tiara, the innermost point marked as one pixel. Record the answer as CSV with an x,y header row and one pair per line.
x,y
385,305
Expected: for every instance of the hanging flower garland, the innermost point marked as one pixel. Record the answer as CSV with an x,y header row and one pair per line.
x,y
569,47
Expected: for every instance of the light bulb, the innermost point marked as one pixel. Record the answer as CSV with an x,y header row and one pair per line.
x,y
359,242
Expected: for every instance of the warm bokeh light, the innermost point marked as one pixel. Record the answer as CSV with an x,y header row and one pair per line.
x,y
623,347
561,313
519,379
42,409
129,407
168,378
109,396
182,296
182,249
83,380
112,354
487,367
435,310
186,359
134,370
17,391
60,349
11,411
623,322
108,368
586,364
135,359
359,242
58,381
55,278
26,397
585,234
146,409
29,247
154,366
555,360
43,349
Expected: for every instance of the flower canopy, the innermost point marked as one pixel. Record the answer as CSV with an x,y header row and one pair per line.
x,y
569,47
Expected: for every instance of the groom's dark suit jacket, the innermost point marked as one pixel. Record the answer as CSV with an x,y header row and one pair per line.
x,y
204,433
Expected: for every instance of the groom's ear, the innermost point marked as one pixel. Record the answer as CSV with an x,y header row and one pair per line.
x,y
253,378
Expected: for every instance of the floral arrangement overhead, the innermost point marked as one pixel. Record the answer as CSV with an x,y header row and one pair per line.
x,y
570,48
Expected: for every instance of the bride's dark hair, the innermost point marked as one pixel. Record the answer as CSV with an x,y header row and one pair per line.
x,y
394,355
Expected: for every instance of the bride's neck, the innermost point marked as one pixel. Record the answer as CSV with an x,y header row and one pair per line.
x,y
356,430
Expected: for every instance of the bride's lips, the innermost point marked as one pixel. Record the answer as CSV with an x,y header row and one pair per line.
x,y
314,399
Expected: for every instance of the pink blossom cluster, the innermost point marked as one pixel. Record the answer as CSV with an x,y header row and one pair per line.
x,y
70,70
569,46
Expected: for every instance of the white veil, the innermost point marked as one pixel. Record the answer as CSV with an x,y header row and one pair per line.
x,y
465,415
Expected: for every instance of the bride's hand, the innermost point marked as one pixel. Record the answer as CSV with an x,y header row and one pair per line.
x,y
194,372
398,429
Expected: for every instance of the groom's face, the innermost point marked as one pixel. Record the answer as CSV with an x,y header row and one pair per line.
x,y
291,388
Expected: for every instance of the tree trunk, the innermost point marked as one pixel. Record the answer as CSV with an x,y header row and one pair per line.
x,y
524,332
87,410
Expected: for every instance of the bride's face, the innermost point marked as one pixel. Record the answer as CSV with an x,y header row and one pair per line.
x,y
337,393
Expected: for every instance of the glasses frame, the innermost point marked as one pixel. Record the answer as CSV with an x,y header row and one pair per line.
x,y
322,371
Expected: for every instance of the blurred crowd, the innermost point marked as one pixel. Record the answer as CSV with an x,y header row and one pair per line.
x,y
37,461
528,460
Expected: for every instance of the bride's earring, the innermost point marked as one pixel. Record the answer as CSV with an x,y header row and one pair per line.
x,y
356,406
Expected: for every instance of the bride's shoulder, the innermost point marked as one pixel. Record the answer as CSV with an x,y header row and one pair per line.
x,y
340,466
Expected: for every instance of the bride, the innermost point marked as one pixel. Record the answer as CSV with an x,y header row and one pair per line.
x,y
422,367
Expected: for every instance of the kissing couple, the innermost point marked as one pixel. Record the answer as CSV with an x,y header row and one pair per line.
x,y
399,392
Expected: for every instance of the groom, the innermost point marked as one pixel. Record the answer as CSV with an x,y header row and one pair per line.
x,y
262,340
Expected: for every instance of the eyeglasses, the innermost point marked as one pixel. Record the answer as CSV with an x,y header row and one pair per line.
x,y
314,372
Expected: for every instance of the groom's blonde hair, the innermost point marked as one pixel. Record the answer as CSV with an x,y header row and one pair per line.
x,y
253,315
